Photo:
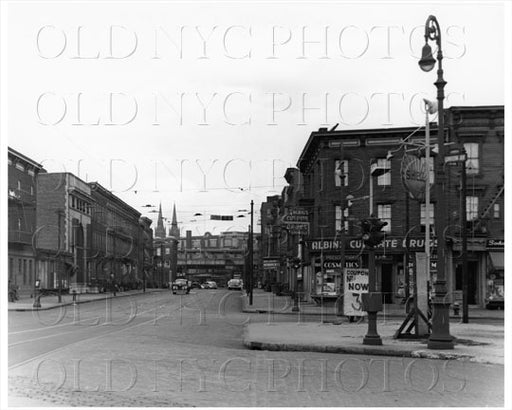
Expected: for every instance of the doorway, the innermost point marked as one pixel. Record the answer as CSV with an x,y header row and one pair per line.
x,y
387,282
472,281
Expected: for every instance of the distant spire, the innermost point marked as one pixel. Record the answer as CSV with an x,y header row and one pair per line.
x,y
160,230
175,230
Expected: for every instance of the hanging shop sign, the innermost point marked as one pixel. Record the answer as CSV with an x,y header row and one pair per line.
x,y
355,284
414,175
296,220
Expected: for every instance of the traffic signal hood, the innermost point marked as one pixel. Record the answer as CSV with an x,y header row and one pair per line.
x,y
371,231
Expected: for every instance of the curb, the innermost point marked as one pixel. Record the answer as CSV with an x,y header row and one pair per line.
x,y
364,350
79,302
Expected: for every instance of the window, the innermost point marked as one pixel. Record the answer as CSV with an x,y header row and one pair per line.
x,y
24,271
423,216
472,163
11,268
338,219
20,166
337,176
19,185
384,213
496,211
384,179
167,251
471,208
31,172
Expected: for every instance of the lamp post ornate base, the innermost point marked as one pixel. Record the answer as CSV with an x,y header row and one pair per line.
x,y
440,337
372,337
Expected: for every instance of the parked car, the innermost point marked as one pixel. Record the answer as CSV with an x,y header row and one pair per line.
x,y
181,285
235,284
495,302
195,285
210,284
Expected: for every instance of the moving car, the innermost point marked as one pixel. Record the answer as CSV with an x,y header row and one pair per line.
x,y
235,284
181,286
210,284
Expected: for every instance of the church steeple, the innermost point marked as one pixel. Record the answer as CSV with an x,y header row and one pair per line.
x,y
175,230
160,230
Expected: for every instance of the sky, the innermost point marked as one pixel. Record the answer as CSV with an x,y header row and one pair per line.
x,y
204,105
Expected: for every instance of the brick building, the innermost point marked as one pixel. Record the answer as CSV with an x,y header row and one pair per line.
x,y
22,223
478,129
64,208
215,257
146,251
116,240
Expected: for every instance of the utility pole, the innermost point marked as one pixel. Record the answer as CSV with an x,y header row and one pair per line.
x,y
343,204
464,233
251,254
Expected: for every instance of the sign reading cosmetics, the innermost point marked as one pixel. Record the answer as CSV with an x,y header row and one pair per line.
x,y
336,263
356,283
355,244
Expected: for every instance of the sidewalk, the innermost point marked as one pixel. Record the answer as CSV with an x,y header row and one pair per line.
x,y
477,342
267,302
51,302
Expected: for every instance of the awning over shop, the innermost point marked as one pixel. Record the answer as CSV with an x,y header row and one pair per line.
x,y
497,260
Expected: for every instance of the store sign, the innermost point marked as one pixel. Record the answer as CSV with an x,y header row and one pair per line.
x,y
271,264
414,176
296,220
495,244
390,243
355,284
336,263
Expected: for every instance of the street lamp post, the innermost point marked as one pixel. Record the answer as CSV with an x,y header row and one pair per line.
x,y
59,275
440,337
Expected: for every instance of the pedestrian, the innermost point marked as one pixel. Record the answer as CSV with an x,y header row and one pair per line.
x,y
13,292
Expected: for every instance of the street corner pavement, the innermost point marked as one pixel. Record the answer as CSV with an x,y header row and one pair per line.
x,y
51,302
348,338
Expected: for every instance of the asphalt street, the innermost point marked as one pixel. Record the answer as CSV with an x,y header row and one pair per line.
x,y
159,349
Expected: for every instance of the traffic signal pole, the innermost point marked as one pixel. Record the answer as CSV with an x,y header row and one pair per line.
x,y
372,337
372,301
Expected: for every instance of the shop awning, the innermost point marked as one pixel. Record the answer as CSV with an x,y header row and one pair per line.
x,y
497,260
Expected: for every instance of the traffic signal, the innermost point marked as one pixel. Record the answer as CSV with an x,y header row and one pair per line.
x,y
371,230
